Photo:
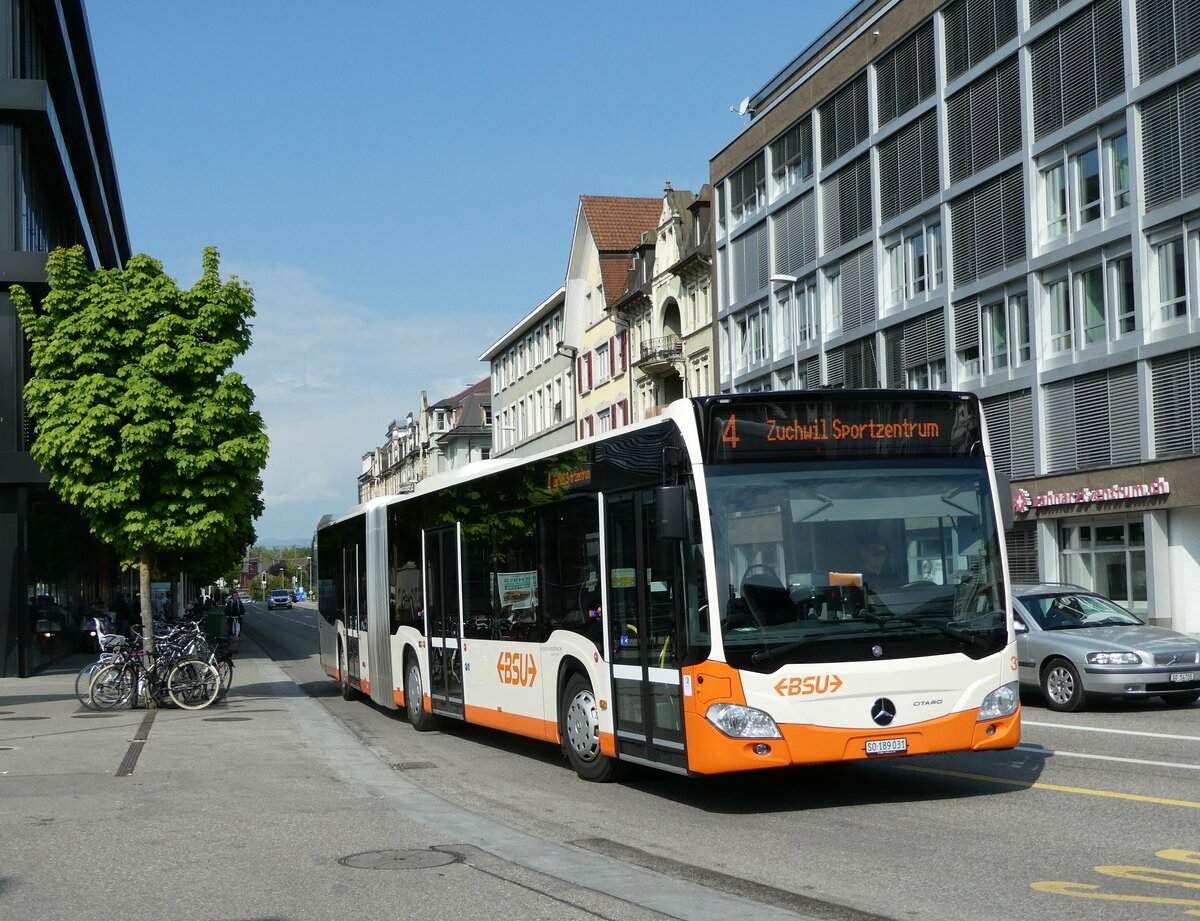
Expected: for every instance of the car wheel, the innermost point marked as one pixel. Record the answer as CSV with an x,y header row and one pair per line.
x,y
1061,686
1182,700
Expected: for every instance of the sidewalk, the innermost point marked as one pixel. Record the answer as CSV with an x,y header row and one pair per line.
x,y
263,806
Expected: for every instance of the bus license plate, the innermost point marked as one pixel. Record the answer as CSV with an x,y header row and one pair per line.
x,y
1183,676
886,746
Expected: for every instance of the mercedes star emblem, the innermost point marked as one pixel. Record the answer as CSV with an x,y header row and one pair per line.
x,y
883,711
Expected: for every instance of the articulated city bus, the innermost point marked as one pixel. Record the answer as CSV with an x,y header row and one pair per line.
x,y
746,581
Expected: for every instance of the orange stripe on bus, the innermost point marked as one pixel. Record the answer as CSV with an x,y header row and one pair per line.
x,y
332,672
530,726
608,744
364,686
398,698
711,752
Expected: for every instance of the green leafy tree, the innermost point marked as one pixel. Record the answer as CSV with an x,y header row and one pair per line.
x,y
140,421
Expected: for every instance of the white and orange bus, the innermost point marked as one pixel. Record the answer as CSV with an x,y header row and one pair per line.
x,y
746,581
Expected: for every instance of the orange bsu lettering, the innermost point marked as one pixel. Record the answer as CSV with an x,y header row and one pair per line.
x,y
803,685
516,668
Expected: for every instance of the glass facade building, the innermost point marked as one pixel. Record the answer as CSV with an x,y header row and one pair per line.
x,y
1000,196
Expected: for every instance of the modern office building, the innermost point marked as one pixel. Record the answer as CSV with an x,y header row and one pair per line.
x,y
60,189
999,196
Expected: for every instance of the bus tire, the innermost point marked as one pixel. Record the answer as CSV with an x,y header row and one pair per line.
x,y
414,697
348,693
579,729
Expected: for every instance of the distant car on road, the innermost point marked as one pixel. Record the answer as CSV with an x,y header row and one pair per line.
x,y
279,598
1073,644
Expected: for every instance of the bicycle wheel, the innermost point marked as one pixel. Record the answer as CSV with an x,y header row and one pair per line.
x,y
225,670
112,686
83,682
193,684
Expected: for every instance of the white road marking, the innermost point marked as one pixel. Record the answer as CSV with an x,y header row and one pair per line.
x,y
1117,732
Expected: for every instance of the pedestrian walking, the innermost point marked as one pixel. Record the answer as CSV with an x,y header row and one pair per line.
x,y
235,610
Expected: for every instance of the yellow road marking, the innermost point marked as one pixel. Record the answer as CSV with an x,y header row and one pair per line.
x,y
1058,788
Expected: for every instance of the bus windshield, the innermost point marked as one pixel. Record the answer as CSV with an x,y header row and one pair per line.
x,y
856,561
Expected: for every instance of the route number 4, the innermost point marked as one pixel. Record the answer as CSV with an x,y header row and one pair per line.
x,y
729,435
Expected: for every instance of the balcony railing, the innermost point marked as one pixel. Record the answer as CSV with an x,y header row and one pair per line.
x,y
665,349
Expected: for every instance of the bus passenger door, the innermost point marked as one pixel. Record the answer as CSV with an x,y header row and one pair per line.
x,y
644,597
354,606
442,619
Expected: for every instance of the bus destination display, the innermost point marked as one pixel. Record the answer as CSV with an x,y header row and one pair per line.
x,y
847,427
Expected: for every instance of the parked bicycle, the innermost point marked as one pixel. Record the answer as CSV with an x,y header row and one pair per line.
x,y
184,669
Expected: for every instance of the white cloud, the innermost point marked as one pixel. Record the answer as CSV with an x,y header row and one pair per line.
x,y
329,375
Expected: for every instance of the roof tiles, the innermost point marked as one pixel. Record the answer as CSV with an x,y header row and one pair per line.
x,y
617,223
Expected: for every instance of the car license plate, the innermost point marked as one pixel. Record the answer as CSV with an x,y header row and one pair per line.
x,y
886,746
1183,676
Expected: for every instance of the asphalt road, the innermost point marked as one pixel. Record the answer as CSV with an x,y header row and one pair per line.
x,y
1096,815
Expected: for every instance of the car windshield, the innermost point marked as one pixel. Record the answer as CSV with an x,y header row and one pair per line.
x,y
856,561
1072,611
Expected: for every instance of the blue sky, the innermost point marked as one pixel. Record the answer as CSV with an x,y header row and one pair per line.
x,y
398,181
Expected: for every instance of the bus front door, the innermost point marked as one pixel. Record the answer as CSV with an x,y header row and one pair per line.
x,y
443,621
644,598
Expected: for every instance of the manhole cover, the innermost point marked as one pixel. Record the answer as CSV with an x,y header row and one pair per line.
x,y
399,860
412,765
18,719
227,719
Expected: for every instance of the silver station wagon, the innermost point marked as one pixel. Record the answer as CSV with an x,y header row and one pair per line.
x,y
1073,644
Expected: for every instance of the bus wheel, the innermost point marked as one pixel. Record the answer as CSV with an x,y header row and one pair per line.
x,y
579,727
414,697
348,693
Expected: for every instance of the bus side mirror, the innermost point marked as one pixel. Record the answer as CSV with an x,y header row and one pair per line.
x,y
1004,495
672,512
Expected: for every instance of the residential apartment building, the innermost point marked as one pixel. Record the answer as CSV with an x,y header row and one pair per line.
x,y
533,381
667,307
445,435
59,189
607,231
1003,197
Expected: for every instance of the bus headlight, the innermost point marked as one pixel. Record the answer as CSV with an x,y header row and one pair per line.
x,y
1000,703
739,722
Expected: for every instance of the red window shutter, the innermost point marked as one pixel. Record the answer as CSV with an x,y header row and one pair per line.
x,y
589,370
623,339
579,374
624,405
612,356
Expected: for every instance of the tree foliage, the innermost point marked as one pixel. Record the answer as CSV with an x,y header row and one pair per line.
x,y
141,422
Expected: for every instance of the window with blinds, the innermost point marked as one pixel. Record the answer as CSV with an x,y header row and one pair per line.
x,y
983,121
844,123
792,154
750,270
1010,432
748,188
988,226
853,364
908,166
857,272
923,344
906,75
1174,381
846,203
1077,66
1021,546
796,236
1168,31
1092,421
1170,137
974,29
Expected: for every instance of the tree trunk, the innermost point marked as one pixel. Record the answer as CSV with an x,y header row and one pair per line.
x,y
146,608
